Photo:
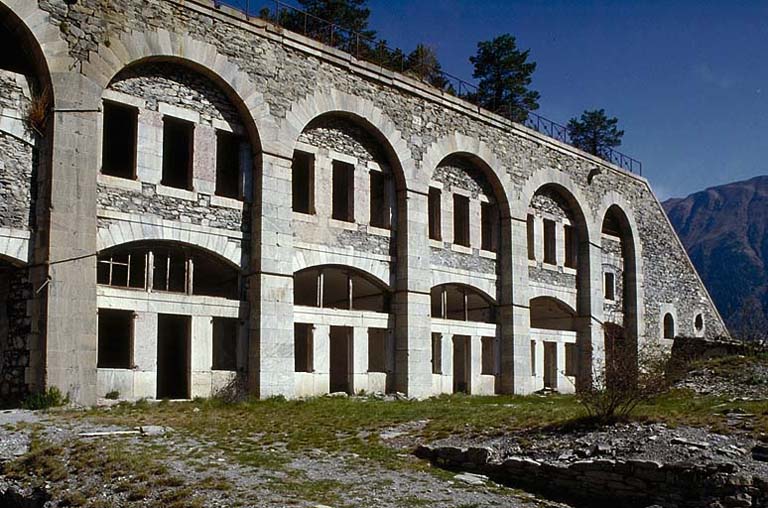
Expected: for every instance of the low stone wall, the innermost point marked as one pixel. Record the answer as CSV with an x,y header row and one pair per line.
x,y
606,482
686,350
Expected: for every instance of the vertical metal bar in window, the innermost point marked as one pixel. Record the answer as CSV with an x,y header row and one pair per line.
x,y
190,267
149,271
320,281
466,306
128,276
443,303
110,270
350,298
167,271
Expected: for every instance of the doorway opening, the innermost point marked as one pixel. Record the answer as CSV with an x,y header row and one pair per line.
x,y
461,366
173,356
341,359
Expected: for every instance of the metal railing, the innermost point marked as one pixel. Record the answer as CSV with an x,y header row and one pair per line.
x,y
377,52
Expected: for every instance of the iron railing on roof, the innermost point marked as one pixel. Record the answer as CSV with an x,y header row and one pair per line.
x,y
377,52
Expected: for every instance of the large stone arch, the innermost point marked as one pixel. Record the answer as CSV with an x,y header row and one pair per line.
x,y
136,47
378,270
485,285
14,247
480,153
362,111
566,187
122,232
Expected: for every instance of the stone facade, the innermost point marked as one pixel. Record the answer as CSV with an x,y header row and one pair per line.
x,y
281,92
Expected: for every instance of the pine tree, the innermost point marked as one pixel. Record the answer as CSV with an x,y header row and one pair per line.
x,y
595,133
505,75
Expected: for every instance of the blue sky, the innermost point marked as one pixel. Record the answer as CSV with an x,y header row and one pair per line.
x,y
688,80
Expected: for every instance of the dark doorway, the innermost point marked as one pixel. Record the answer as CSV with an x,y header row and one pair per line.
x,y
173,356
341,340
461,369
550,365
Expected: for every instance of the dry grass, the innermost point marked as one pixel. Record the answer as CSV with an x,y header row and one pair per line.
x,y
38,111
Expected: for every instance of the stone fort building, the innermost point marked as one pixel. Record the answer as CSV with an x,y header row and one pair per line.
x,y
192,198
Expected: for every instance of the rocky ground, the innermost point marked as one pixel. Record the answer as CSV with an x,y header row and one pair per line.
x,y
106,466
738,377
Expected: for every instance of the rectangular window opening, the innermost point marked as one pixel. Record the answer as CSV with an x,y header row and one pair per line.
x,y
115,339
434,213
571,246
533,357
303,182
225,332
302,341
488,356
343,191
550,242
178,137
119,141
126,269
170,272
489,226
530,221
380,210
437,353
461,220
228,164
377,350
570,359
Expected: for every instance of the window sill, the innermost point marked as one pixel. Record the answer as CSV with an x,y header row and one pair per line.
x,y
569,270
222,202
460,248
119,183
173,192
342,224
436,243
374,230
488,254
309,218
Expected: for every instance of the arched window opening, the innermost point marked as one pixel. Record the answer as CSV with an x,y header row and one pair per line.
x,y
461,303
552,314
167,268
669,326
698,322
553,230
339,288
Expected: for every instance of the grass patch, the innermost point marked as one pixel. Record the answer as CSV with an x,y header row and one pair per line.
x,y
52,397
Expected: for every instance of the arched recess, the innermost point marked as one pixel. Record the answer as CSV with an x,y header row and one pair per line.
x,y
164,266
550,313
341,287
120,233
377,269
357,109
460,302
156,46
39,47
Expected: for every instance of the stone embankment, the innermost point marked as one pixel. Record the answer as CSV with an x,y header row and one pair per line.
x,y
628,465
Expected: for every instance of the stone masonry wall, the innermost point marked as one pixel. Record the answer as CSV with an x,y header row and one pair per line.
x,y
175,85
613,262
16,290
17,157
340,135
285,75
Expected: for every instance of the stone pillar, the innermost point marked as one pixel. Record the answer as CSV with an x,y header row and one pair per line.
x,y
475,224
515,315
204,160
475,363
201,356
412,304
145,355
149,147
359,362
321,351
271,365
591,337
71,329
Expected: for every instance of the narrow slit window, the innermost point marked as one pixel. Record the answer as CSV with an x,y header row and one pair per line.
x,y
379,200
571,246
530,226
302,337
489,219
343,191
434,214
533,357
225,332
303,182
178,137
550,242
115,339
461,220
119,142
228,164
